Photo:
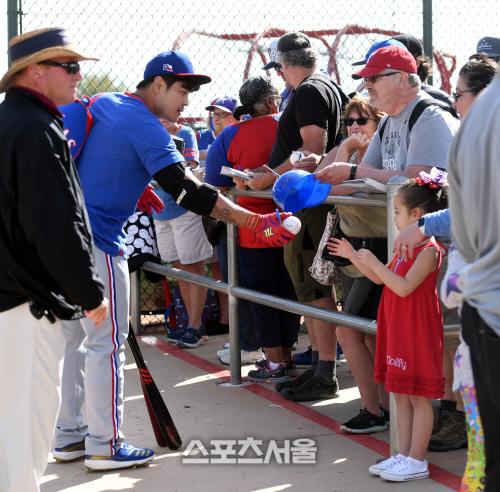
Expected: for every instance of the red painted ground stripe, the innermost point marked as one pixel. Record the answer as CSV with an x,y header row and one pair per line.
x,y
438,474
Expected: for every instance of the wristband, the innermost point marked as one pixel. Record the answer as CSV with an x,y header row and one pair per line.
x,y
352,174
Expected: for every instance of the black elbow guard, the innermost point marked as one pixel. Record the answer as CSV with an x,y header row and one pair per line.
x,y
198,199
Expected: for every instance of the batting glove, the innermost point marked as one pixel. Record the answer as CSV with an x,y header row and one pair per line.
x,y
271,230
150,201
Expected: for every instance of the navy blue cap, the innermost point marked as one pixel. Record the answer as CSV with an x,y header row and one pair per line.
x,y
173,63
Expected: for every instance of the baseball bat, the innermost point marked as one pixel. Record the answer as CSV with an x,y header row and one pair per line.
x,y
163,426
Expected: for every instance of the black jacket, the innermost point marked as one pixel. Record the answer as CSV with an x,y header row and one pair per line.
x,y
45,240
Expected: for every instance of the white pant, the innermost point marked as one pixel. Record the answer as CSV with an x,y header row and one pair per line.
x,y
31,354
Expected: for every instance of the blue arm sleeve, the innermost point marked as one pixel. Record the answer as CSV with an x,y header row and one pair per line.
x,y
217,157
438,224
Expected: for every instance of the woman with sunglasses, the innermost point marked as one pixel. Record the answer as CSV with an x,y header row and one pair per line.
x,y
473,77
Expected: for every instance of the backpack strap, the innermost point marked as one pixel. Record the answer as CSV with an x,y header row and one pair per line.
x,y
78,121
419,108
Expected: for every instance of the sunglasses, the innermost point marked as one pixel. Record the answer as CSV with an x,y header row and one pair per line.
x,y
457,95
361,121
70,67
278,67
374,78
220,115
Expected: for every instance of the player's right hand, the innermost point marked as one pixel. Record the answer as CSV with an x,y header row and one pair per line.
x,y
272,231
99,314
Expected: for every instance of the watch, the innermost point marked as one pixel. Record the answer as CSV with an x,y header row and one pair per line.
x,y
421,225
352,174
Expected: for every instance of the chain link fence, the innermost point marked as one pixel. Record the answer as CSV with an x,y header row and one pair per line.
x,y
228,39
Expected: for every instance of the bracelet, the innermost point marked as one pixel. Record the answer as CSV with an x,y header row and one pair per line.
x,y
352,174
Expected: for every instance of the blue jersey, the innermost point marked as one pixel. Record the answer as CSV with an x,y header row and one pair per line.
x,y
126,146
172,210
205,139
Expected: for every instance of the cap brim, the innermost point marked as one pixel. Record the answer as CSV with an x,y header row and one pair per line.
x,y
222,108
202,79
367,72
356,64
489,55
269,65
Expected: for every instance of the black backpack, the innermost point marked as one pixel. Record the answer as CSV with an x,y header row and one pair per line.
x,y
419,108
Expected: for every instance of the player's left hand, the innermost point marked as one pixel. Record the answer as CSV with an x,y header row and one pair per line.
x,y
150,201
270,230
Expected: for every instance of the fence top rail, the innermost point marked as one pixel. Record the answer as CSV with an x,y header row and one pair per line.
x,y
362,324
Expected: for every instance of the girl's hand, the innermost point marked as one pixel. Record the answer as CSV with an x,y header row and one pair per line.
x,y
341,247
366,256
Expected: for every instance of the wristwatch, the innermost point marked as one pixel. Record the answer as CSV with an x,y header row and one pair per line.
x,y
421,225
352,174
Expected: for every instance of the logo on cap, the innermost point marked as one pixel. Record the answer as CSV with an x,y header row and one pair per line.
x,y
167,67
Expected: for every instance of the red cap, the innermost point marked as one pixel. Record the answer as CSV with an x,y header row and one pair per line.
x,y
390,57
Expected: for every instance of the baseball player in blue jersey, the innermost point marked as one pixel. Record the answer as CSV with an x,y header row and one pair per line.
x,y
126,147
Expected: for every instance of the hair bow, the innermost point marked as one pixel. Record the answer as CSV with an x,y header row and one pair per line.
x,y
434,180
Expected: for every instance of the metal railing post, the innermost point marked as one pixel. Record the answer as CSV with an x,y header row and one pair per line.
x,y
234,329
392,186
427,32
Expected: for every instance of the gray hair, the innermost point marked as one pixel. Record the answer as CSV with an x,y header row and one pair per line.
x,y
306,57
414,80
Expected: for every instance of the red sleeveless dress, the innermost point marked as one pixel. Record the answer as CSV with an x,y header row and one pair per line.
x,y
409,347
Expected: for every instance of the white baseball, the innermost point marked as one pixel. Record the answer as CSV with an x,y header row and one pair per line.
x,y
296,156
292,224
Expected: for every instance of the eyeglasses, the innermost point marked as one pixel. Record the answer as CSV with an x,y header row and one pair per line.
x,y
374,78
70,67
278,67
220,114
361,121
457,95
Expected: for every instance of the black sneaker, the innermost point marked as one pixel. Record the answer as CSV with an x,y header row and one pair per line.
x,y
303,359
295,383
386,414
313,389
365,423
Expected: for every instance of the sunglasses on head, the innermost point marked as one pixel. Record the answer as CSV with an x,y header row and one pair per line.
x,y
361,121
70,67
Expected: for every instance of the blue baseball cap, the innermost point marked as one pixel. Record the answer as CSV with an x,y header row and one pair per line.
x,y
173,63
225,103
379,44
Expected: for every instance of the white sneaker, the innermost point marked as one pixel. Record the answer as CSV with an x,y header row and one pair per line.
x,y
247,357
224,350
405,470
385,465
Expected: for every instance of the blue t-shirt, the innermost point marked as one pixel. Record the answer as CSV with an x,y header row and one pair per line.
x,y
205,139
126,146
172,210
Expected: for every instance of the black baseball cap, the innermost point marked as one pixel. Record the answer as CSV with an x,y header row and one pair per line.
x,y
292,41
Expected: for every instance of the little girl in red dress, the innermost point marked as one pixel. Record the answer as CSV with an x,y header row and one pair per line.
x,y
409,344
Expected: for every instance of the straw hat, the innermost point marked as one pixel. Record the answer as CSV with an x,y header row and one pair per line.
x,y
37,46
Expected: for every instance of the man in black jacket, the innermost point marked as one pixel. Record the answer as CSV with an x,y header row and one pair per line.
x,y
47,270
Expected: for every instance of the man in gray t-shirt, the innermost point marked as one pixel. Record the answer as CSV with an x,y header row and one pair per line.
x,y
394,87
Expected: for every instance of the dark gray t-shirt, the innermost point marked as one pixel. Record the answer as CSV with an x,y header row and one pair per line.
x,y
427,144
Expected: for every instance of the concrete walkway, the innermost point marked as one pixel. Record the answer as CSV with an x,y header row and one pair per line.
x,y
205,410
